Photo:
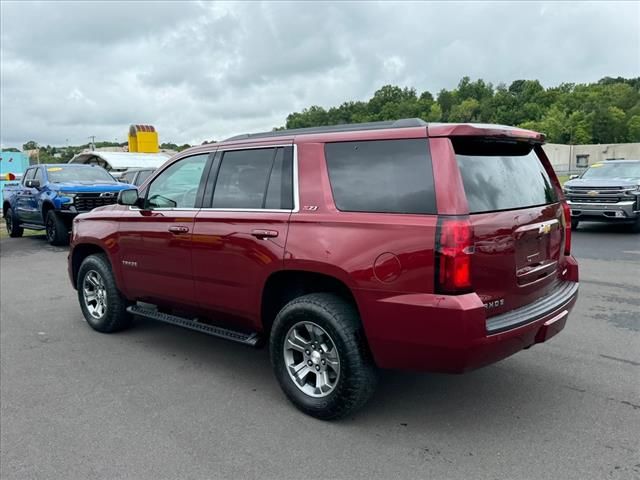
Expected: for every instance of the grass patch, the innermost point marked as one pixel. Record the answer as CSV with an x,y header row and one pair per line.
x,y
27,233
563,179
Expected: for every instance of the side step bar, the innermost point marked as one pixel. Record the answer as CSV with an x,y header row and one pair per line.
x,y
251,339
31,226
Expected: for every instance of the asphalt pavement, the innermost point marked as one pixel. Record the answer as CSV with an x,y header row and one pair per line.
x,y
159,402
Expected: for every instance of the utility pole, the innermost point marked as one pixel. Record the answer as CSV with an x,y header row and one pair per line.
x,y
92,145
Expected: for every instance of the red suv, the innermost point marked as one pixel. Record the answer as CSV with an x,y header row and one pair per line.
x,y
405,245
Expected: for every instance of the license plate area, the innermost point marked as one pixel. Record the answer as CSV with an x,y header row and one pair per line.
x,y
537,250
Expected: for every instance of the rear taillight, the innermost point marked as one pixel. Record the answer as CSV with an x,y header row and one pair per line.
x,y
454,246
567,227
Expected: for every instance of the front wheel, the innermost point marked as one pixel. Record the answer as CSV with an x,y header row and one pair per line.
x,y
320,356
13,227
103,306
57,231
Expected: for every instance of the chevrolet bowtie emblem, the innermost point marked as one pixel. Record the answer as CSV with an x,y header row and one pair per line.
x,y
544,229
592,193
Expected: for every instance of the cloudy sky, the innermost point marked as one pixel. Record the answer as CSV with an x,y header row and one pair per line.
x,y
202,71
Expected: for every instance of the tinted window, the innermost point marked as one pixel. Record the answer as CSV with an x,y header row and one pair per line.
x,y
502,176
177,186
392,176
626,170
142,176
257,178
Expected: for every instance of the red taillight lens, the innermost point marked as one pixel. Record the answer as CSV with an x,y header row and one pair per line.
x,y
454,247
567,228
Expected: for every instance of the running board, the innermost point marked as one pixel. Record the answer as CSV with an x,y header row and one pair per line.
x,y
31,226
251,339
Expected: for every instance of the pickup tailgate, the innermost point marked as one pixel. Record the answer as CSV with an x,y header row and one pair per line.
x,y
517,222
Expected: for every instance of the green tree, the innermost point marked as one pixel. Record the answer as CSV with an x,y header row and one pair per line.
x,y
633,129
30,145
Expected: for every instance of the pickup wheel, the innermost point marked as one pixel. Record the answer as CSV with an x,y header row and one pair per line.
x,y
635,226
103,306
57,231
574,224
320,356
13,228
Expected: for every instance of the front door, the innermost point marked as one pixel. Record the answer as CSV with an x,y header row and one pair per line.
x,y
27,200
155,240
239,238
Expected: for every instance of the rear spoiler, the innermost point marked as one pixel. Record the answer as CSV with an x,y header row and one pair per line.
x,y
483,130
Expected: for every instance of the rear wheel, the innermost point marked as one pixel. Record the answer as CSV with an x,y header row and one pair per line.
x,y
13,227
574,224
57,231
320,357
103,306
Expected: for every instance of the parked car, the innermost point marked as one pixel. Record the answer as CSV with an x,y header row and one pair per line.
x,y
136,176
346,249
606,192
50,195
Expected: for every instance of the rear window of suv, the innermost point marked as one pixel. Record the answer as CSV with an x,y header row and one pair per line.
x,y
386,176
502,175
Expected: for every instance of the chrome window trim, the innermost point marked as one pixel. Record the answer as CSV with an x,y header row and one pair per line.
x,y
296,188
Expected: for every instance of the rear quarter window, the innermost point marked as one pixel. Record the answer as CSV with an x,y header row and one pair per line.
x,y
502,175
386,176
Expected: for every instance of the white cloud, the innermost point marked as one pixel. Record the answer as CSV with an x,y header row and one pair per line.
x,y
201,71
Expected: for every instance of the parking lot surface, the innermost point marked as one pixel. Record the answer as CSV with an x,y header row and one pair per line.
x,y
161,402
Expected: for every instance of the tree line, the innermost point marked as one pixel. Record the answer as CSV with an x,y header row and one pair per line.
x,y
607,111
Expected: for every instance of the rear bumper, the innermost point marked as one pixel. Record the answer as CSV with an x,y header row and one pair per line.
x,y
603,212
452,333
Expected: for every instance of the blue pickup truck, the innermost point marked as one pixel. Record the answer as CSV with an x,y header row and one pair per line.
x,y
49,196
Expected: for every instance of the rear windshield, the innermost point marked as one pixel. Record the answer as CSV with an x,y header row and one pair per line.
x,y
502,175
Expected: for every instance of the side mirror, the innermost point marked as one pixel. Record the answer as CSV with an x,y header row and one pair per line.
x,y
129,196
32,183
571,177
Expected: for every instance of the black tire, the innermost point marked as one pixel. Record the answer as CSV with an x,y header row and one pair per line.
x,y
357,378
56,230
635,226
115,316
574,224
13,227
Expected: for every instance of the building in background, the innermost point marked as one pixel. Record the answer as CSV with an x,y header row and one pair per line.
x,y
12,163
567,159
144,152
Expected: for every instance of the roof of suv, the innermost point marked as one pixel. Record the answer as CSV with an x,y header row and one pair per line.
x,y
434,130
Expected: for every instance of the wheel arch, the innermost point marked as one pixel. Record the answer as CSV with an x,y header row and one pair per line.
x,y
5,206
79,253
283,286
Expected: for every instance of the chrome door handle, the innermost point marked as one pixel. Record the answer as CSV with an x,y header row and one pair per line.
x,y
178,229
262,234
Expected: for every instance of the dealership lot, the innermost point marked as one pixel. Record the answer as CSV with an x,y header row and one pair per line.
x,y
161,402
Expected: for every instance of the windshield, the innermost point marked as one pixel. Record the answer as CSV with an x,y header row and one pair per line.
x,y
79,175
629,170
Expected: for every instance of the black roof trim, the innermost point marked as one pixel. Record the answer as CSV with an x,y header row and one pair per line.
x,y
350,127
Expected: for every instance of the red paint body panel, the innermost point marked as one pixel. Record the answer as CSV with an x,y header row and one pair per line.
x,y
221,265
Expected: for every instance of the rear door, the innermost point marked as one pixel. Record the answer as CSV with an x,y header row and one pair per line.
x,y
517,221
239,238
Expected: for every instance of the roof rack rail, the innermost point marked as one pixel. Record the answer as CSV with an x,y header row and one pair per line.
x,y
348,127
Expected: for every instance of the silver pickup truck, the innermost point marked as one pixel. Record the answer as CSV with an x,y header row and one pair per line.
x,y
606,192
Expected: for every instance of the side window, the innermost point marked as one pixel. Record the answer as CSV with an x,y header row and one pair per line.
x,y
142,176
28,175
128,177
255,179
388,176
39,176
177,186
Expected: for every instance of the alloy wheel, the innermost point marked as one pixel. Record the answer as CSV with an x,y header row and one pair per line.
x,y
311,359
94,294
